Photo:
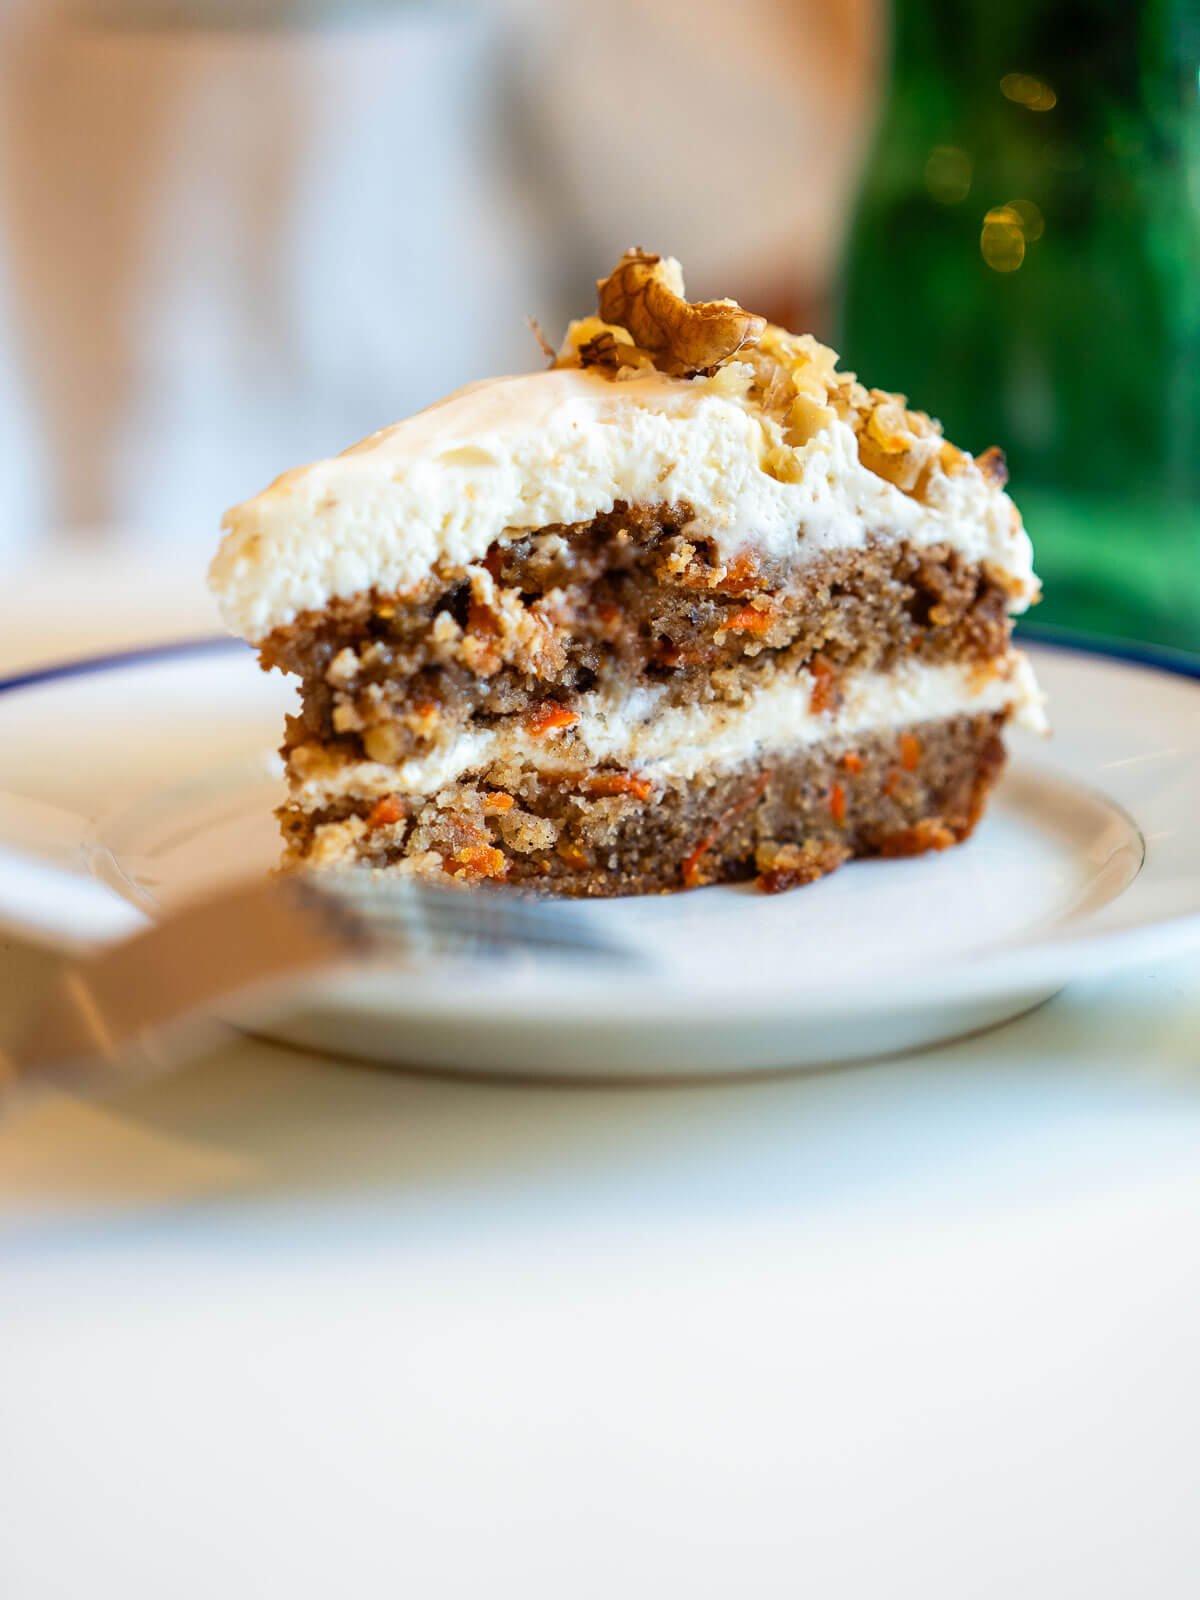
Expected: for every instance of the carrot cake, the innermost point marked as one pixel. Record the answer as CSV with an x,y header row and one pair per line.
x,y
690,605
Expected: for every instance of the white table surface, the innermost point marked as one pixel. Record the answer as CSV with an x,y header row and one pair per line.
x,y
281,1326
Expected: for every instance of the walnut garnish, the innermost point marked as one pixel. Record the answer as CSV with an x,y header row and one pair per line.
x,y
604,349
645,295
993,465
592,342
789,382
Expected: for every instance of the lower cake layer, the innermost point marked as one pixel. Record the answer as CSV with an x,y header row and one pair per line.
x,y
600,832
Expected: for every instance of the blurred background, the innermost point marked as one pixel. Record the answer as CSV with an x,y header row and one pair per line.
x,y
239,234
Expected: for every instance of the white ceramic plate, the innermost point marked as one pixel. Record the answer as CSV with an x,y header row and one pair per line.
x,y
154,773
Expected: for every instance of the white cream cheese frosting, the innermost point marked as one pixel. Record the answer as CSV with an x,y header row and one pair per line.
x,y
681,741
508,455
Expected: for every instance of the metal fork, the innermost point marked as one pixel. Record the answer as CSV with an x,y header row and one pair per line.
x,y
123,1013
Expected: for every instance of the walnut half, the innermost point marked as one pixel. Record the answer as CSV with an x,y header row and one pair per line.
x,y
644,294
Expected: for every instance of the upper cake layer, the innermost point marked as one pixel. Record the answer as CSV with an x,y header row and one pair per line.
x,y
771,451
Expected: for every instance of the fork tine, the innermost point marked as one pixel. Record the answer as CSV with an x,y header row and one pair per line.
x,y
407,908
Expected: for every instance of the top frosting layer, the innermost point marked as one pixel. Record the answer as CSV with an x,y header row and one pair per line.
x,y
507,455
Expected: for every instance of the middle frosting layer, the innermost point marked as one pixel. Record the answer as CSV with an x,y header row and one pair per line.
x,y
682,741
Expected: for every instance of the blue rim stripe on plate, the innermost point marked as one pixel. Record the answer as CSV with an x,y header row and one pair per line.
x,y
1181,663
82,665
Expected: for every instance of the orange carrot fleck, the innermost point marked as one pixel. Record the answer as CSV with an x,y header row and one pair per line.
x,y
910,751
494,805
741,573
384,812
852,762
825,695
837,804
547,718
481,861
892,783
601,783
693,864
693,875
750,619
573,856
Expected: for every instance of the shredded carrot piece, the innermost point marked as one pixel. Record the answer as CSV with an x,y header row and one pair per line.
x,y
852,762
693,864
837,804
892,783
481,861
692,875
825,684
384,812
548,717
495,804
601,783
741,573
750,619
910,751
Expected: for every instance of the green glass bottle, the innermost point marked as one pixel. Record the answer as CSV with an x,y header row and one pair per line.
x,y
1025,263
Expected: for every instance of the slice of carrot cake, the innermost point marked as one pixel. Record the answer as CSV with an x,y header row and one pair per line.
x,y
691,605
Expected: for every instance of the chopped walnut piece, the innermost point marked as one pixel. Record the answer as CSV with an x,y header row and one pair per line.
x,y
524,832
993,465
384,743
347,718
790,866
342,670
644,294
592,342
928,834
334,842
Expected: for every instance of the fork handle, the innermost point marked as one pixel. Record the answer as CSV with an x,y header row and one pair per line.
x,y
52,905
